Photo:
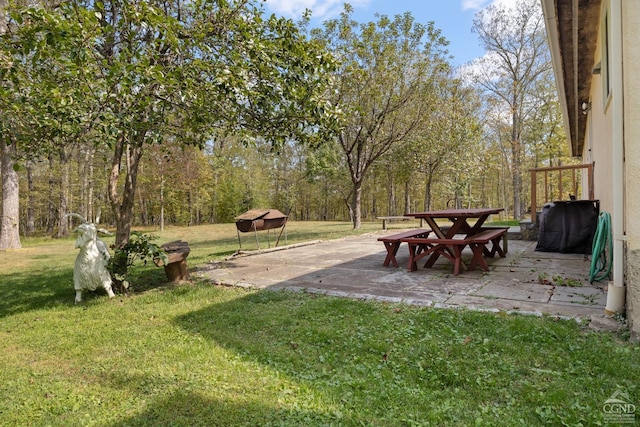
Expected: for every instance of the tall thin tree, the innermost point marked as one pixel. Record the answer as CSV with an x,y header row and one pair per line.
x,y
517,57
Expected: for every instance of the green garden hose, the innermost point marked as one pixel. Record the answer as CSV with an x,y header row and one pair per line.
x,y
602,247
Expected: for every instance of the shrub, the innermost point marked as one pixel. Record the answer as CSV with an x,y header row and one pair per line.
x,y
138,249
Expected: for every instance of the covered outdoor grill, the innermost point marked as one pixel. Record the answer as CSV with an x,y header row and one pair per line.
x,y
568,226
260,219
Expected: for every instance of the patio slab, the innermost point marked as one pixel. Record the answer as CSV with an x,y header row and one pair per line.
x,y
525,281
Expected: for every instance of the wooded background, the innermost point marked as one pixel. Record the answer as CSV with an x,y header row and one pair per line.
x,y
366,119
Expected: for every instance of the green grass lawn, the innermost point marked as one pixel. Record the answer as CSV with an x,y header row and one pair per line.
x,y
197,354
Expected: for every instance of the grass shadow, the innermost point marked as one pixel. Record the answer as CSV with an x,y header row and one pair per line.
x,y
50,287
388,365
191,408
36,289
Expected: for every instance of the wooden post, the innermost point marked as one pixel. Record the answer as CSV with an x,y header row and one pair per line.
x,y
560,188
534,195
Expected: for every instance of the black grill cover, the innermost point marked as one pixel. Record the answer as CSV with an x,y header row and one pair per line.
x,y
568,226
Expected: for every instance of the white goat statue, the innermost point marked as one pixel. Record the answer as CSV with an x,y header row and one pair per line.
x,y
90,269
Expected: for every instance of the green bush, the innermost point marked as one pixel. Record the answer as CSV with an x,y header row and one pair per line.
x,y
138,249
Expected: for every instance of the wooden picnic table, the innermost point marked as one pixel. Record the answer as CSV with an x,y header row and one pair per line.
x,y
446,244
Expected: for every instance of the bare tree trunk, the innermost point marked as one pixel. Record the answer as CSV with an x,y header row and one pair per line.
x,y
63,223
391,193
349,209
516,160
30,226
51,214
86,183
122,206
357,206
10,224
162,200
428,184
374,205
325,201
190,204
407,197
483,191
503,189
144,210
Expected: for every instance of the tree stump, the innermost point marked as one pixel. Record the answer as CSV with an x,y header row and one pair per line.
x,y
176,267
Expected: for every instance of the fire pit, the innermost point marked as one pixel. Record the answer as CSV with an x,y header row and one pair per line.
x,y
260,219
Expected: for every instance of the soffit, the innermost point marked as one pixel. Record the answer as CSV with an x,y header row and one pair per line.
x,y
577,23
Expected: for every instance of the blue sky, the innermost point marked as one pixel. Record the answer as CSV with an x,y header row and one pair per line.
x,y
453,17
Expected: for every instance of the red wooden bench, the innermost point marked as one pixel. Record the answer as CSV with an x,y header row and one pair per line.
x,y
392,243
451,249
479,245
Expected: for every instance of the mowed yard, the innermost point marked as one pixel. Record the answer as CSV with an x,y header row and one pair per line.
x,y
197,354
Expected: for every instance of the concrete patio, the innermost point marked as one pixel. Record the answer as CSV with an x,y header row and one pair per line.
x,y
524,282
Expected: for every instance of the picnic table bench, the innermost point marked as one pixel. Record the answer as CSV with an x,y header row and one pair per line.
x,y
451,248
392,243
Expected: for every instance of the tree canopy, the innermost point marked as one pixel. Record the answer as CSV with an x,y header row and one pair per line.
x,y
511,74
185,112
128,74
387,68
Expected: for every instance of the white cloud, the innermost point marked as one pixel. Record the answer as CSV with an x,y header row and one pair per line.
x,y
320,9
473,4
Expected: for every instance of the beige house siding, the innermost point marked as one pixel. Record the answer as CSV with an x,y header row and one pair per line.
x,y
631,82
597,147
599,142
609,135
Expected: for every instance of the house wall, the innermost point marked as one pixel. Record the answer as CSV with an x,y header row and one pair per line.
x,y
597,147
631,82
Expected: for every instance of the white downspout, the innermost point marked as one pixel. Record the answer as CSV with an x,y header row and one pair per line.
x,y
616,288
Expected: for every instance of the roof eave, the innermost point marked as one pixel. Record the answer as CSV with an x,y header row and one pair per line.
x,y
551,24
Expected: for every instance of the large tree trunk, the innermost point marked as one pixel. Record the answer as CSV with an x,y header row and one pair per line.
x,y
122,205
10,224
